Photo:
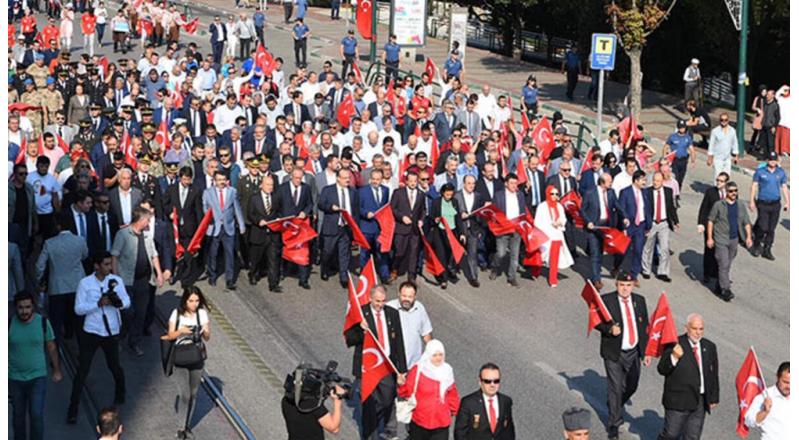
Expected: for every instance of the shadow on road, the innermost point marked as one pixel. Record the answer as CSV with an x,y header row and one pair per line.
x,y
590,385
691,260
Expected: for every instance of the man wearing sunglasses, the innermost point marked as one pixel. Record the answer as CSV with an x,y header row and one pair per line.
x,y
486,413
723,149
726,222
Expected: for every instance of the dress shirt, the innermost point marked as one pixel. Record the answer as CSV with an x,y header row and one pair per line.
x,y
565,184
496,406
344,203
80,223
415,325
381,313
777,424
639,201
626,325
267,199
621,181
125,206
603,210
412,195
89,291
723,143
184,193
512,208
490,187
102,222
468,201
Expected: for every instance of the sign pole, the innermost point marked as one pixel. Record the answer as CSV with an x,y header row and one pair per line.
x,y
600,97
742,80
603,57
373,42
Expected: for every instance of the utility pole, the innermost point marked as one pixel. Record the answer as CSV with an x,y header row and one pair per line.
x,y
742,79
373,42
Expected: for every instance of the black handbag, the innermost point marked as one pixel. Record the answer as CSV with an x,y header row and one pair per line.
x,y
190,354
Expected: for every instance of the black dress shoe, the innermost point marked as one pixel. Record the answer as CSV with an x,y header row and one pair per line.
x,y
305,285
212,282
276,289
230,286
493,275
325,276
253,281
513,282
453,278
343,284
646,276
443,285
664,278
767,254
474,283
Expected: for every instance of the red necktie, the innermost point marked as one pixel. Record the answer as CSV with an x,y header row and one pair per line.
x,y
630,322
658,212
222,199
607,207
379,322
492,415
696,355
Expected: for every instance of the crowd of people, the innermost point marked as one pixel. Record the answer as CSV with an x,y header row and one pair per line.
x,y
126,176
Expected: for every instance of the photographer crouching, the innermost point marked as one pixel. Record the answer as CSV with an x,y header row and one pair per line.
x,y
303,407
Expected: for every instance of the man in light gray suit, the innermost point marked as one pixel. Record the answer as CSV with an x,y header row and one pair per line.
x,y
224,202
320,111
60,128
124,197
61,260
471,119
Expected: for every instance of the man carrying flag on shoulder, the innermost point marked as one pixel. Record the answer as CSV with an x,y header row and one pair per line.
x,y
769,410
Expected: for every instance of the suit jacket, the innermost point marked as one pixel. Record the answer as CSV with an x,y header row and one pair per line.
x,y
708,200
190,123
286,200
354,338
190,214
671,208
443,127
304,115
367,204
610,346
482,188
442,160
256,211
556,182
327,198
58,257
12,204
627,207
472,421
590,207
472,225
214,31
401,207
587,180
116,205
94,235
227,217
542,187
681,387
473,124
435,212
499,201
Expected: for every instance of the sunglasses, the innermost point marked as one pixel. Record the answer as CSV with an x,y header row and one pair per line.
x,y
224,155
490,381
732,191
566,169
724,121
425,180
555,194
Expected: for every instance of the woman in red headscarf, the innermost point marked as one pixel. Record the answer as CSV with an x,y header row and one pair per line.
x,y
550,218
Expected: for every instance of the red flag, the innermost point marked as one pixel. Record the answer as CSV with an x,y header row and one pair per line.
x,y
357,72
434,150
669,157
62,144
497,222
354,314
145,26
403,168
748,383
430,69
532,237
345,111
628,127
127,148
367,281
191,27
22,108
178,247
662,330
544,138
264,60
614,241
589,157
571,204
103,62
197,240
357,235
296,233
510,106
375,365
23,151
431,261
525,124
597,311
363,18
454,244
521,171
385,218
162,135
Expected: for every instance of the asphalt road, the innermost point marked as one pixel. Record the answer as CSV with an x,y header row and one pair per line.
x,y
535,333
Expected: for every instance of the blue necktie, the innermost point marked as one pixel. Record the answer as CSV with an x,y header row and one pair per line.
x,y
82,226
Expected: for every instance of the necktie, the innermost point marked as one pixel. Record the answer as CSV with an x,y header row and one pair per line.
x,y
566,188
379,322
268,203
103,233
182,196
343,207
696,354
637,207
60,131
222,199
492,415
413,198
82,225
722,195
296,196
630,323
607,206
536,199
377,196
658,212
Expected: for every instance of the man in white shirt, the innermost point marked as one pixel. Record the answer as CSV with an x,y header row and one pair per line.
x,y
625,178
486,103
511,202
611,145
99,299
415,322
225,116
501,113
47,195
770,411
722,151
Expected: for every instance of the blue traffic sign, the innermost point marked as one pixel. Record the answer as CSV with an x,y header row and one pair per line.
x,y
603,51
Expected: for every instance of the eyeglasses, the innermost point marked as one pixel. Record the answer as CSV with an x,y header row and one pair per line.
x,y
566,169
425,179
22,173
490,381
224,155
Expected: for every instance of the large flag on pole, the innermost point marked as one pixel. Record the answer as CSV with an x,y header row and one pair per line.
x,y
354,314
431,261
363,18
454,244
385,218
197,240
662,330
357,236
544,138
748,383
264,60
597,311
497,222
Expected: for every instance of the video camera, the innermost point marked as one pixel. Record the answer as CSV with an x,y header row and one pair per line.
x,y
307,387
112,295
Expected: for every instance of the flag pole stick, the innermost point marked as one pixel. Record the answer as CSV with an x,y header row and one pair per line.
x,y
759,371
383,352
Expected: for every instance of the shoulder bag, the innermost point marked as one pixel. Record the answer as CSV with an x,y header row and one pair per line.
x,y
191,354
405,407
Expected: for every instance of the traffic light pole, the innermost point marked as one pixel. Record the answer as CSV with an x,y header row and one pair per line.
x,y
742,79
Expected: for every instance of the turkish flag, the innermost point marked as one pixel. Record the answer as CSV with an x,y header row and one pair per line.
x,y
430,69
614,241
264,60
354,314
521,171
357,72
669,157
497,222
544,138
363,18
62,144
357,235
628,127
127,148
662,330
345,111
403,168
22,108
162,135
191,27
296,233
587,162
510,106
434,151
178,247
375,365
571,204
385,218
525,124
197,240
454,244
23,150
145,26
597,311
748,383
367,281
532,237
431,261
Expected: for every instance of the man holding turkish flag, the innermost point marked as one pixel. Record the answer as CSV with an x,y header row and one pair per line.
x,y
378,344
768,409
346,110
544,138
264,60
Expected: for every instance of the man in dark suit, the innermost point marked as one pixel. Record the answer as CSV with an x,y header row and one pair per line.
x,y
336,232
187,200
589,179
486,414
124,198
407,206
444,122
218,33
294,198
264,243
102,224
297,108
384,323
664,220
710,267
473,227
487,184
636,209
511,202
599,209
535,187
691,389
195,117
371,198
623,346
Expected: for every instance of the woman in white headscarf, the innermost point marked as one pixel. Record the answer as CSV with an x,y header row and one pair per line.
x,y
437,399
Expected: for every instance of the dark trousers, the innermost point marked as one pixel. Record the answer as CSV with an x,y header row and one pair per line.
x,y
149,314
469,261
419,433
27,403
594,240
244,48
88,343
636,248
100,27
710,267
217,47
406,253
392,70
288,8
265,258
228,243
139,294
767,139
335,8
61,310
622,377
571,82
259,30
680,168
300,49
381,259
346,65
379,408
768,215
338,247
188,269
684,424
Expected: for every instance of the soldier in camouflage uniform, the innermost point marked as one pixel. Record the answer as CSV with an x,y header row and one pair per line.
x,y
151,147
38,71
33,97
52,101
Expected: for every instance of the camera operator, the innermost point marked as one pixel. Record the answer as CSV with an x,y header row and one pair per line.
x,y
99,298
311,425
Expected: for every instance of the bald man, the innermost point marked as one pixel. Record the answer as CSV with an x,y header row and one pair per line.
x,y
691,368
